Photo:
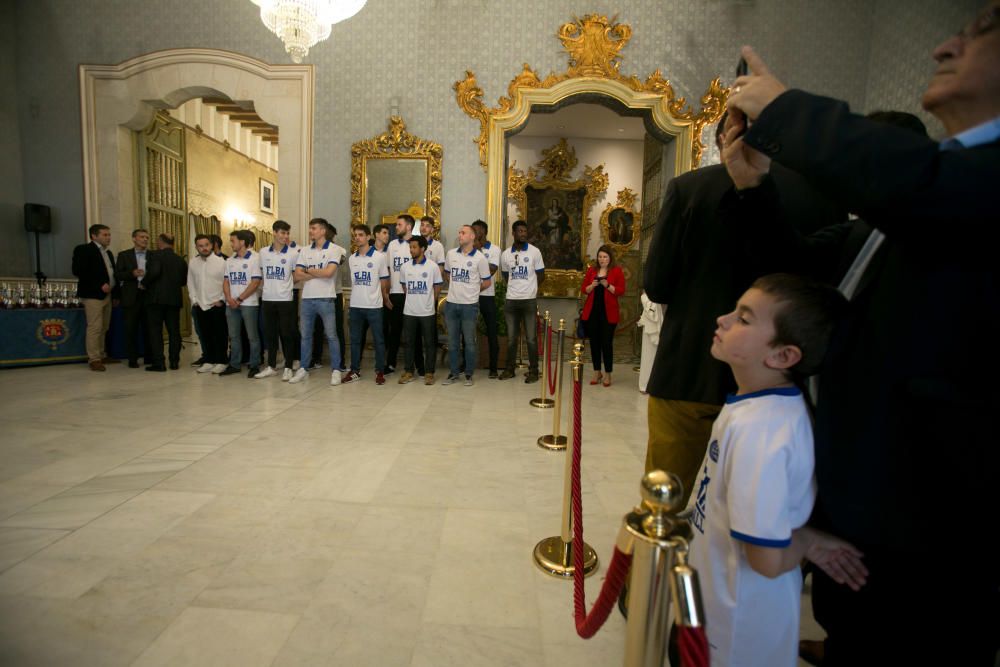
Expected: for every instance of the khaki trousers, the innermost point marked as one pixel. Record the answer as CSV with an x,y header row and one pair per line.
x,y
678,437
98,313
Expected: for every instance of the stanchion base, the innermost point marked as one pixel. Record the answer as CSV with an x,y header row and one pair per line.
x,y
555,557
520,364
542,402
553,442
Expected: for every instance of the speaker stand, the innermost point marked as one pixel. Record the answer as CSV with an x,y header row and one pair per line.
x,y
40,276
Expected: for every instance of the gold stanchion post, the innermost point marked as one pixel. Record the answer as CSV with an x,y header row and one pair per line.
x,y
542,401
555,441
554,555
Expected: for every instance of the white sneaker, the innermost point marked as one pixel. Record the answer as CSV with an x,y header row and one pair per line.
x,y
335,378
204,368
287,375
218,368
299,376
266,373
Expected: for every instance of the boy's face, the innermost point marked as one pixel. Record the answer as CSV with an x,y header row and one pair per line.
x,y
317,233
744,337
360,239
415,250
426,228
281,236
382,236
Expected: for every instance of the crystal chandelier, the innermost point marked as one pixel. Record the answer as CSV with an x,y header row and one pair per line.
x,y
302,23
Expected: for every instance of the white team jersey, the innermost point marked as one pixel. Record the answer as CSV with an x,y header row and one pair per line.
x,y
466,274
756,486
312,257
522,264
399,254
278,270
239,272
435,251
367,272
420,280
492,254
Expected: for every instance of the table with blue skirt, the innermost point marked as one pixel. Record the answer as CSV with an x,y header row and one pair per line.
x,y
40,336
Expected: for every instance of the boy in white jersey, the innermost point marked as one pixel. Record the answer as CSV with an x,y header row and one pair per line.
x,y
317,272
435,249
468,274
755,493
369,290
523,269
422,282
278,262
241,290
399,254
487,298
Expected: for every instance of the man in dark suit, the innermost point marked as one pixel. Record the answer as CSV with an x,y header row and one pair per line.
x,y
93,265
166,274
905,449
129,271
696,269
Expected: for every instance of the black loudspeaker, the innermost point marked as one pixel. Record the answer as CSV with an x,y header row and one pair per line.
x,y
37,218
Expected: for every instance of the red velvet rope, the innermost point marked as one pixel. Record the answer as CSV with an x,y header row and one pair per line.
x,y
693,646
588,625
551,377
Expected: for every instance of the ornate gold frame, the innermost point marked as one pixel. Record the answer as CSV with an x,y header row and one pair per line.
x,y
626,201
553,171
593,44
396,143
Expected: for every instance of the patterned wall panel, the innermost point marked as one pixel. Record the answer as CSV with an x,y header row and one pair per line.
x,y
413,50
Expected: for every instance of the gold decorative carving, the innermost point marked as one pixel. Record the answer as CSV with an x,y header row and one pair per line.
x,y
553,171
594,44
395,143
618,237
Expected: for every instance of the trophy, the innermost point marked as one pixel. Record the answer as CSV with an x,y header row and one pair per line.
x,y
76,298
4,296
21,303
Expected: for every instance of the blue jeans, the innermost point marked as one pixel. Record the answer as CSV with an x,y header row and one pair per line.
x,y
373,317
235,318
323,309
461,321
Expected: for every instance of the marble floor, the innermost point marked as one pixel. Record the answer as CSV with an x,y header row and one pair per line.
x,y
185,519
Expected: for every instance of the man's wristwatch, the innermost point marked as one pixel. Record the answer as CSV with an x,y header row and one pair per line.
x,y
239,299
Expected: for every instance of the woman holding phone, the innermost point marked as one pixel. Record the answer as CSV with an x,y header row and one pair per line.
x,y
602,285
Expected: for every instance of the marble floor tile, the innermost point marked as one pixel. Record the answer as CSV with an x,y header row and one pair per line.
x,y
16,544
207,636
69,509
472,646
266,584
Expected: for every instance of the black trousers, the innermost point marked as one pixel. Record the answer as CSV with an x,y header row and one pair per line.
x,y
214,333
396,335
136,323
414,329
319,337
488,310
517,312
279,322
158,315
602,340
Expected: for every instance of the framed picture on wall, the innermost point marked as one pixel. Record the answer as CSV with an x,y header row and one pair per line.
x,y
266,196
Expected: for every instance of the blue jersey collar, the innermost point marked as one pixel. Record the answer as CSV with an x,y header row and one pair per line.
x,y
774,391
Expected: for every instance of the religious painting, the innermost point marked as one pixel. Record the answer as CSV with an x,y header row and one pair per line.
x,y
554,217
266,196
620,222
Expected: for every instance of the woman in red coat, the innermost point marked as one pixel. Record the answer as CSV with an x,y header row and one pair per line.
x,y
602,285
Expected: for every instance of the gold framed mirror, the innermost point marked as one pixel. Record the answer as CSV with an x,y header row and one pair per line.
x,y
393,172
593,44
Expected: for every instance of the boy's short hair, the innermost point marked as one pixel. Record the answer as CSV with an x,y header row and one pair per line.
x,y
281,225
518,223
407,218
361,228
377,228
244,235
482,225
807,312
420,241
199,237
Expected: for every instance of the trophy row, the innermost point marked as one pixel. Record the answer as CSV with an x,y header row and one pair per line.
x,y
30,295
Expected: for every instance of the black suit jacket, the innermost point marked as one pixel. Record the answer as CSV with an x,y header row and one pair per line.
x,y
905,445
699,269
128,283
89,268
166,274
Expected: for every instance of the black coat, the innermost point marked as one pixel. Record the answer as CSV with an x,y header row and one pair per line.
x,y
90,271
905,443
166,274
699,269
127,281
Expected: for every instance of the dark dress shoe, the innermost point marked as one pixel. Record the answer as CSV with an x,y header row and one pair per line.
x,y
230,370
97,366
156,369
133,364
253,371
199,362
174,365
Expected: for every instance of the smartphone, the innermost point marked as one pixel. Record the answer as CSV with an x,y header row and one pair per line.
x,y
741,67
